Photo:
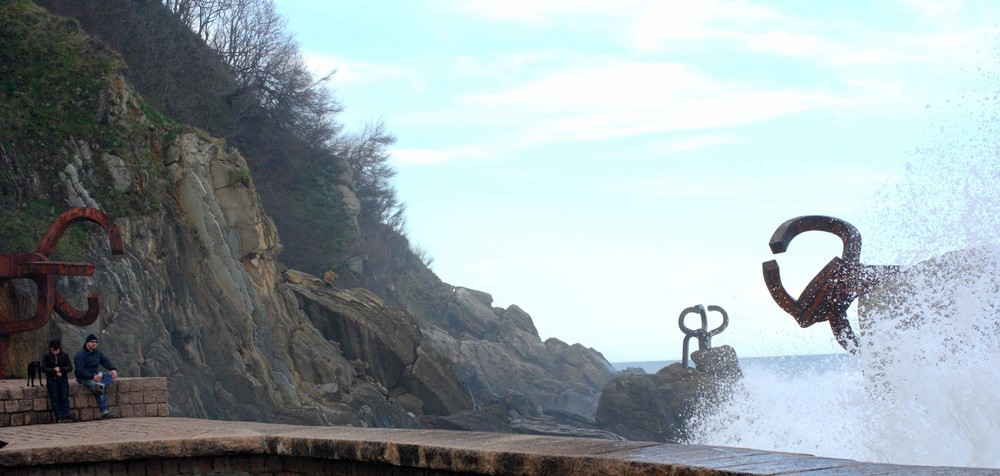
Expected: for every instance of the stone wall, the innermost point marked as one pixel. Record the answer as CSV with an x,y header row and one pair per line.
x,y
230,465
21,404
171,445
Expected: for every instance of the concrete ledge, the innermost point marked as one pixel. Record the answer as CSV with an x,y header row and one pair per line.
x,y
222,447
128,397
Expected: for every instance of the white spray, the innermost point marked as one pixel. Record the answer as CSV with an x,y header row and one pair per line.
x,y
925,387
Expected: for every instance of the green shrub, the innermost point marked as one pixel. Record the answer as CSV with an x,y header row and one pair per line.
x,y
26,225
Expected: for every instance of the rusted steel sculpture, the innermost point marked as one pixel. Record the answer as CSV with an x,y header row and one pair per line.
x,y
838,284
37,267
703,335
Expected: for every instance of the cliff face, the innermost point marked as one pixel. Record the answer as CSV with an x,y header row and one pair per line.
x,y
200,296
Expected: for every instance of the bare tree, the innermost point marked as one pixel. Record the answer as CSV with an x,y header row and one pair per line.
x,y
201,16
250,37
367,155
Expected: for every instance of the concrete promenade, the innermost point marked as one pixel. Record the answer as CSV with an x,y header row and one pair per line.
x,y
167,445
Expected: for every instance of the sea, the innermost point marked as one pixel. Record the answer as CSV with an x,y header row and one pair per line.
x,y
923,392
790,365
924,385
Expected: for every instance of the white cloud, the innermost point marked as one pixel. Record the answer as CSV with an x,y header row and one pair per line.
x,y
349,71
691,144
536,12
417,157
617,99
936,9
658,24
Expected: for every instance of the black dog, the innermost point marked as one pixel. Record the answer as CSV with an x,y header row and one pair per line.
x,y
35,371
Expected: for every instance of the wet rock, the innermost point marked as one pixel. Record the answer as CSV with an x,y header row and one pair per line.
x,y
657,407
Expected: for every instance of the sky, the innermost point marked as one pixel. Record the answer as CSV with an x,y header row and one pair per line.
x,y
605,165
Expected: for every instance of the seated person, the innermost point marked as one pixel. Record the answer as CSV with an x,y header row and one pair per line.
x,y
87,363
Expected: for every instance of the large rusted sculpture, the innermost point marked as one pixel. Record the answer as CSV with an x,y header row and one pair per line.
x,y
702,333
37,267
838,284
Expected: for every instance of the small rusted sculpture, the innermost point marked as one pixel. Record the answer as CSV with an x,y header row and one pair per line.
x,y
37,267
703,335
838,284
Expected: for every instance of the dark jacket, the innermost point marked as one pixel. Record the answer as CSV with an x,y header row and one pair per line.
x,y
86,363
61,360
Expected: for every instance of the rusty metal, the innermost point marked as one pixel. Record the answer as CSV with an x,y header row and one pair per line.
x,y
37,267
703,335
835,287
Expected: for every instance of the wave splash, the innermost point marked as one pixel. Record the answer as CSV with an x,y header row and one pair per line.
x,y
925,387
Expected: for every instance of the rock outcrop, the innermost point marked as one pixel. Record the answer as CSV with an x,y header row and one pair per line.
x,y
201,298
657,407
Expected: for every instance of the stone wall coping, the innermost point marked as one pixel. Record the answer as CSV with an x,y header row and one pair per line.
x,y
21,404
127,439
18,388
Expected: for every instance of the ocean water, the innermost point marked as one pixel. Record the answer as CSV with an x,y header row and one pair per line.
x,y
924,387
908,409
787,365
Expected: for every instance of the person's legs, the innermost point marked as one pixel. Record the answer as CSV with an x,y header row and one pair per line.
x,y
54,397
102,402
63,400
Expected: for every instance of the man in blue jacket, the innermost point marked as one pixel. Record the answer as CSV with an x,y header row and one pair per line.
x,y
87,365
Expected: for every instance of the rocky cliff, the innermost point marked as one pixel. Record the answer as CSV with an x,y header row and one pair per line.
x,y
200,295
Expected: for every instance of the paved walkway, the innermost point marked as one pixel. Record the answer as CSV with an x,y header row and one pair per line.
x,y
464,452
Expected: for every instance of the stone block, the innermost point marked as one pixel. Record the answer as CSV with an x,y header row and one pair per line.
x,y
204,465
187,466
136,468
16,419
40,404
170,467
162,409
158,384
257,462
25,404
126,411
77,402
220,464
272,463
119,469
10,406
239,464
150,409
154,468
138,410
123,384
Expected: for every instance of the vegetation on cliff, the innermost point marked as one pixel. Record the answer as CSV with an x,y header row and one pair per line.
x,y
200,297
230,68
51,80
